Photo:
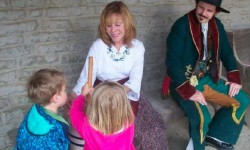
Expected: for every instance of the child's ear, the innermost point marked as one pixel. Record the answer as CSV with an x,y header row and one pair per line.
x,y
54,98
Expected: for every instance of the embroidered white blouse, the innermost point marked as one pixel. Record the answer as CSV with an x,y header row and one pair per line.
x,y
111,64
204,29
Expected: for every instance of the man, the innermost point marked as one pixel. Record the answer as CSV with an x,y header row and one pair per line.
x,y
196,44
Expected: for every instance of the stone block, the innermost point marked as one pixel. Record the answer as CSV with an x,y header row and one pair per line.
x,y
16,51
12,89
70,11
34,13
56,25
8,76
2,142
39,60
14,15
64,3
18,27
48,37
7,64
92,22
73,58
32,3
11,40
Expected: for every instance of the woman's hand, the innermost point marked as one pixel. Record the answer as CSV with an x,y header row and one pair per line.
x,y
234,88
198,97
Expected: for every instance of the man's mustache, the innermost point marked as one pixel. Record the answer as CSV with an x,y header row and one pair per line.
x,y
203,16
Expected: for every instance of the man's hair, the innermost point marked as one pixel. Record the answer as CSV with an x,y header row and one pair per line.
x,y
44,84
121,10
109,109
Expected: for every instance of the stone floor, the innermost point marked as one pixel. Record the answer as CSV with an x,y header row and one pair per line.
x,y
177,124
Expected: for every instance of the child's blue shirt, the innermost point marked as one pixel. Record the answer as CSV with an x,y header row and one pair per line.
x,y
40,130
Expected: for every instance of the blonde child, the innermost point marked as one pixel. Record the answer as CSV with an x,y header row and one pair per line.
x,y
42,127
109,120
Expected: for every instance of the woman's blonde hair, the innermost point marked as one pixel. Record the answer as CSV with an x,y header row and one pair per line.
x,y
120,9
109,109
44,84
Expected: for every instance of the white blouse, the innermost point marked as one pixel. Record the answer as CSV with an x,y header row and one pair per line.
x,y
204,29
111,64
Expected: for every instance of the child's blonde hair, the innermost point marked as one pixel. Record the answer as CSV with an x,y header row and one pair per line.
x,y
44,84
109,110
120,9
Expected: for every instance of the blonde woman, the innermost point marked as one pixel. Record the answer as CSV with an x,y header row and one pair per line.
x,y
109,120
119,56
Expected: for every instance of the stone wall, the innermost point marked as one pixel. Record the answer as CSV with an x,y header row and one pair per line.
x,y
58,33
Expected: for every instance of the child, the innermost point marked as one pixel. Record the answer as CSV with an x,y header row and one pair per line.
x,y
42,127
109,120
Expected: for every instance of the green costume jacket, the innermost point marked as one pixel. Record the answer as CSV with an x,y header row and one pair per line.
x,y
185,48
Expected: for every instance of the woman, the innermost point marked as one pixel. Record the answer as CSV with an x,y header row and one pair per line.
x,y
119,57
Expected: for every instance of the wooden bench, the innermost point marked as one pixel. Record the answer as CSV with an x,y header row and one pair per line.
x,y
240,42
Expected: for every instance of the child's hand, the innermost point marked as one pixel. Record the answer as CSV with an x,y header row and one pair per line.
x,y
86,90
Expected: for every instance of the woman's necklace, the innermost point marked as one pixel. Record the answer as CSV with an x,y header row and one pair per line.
x,y
117,56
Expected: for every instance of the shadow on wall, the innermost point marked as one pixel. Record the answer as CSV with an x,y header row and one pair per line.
x,y
239,40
